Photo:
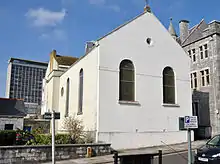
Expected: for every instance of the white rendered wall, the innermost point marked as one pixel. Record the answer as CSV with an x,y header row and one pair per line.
x,y
90,68
149,123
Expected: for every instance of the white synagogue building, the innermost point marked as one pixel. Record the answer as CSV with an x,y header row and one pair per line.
x,y
129,88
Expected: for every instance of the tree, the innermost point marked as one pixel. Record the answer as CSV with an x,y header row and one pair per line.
x,y
74,127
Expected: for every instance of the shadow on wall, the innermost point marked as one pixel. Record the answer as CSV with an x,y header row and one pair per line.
x,y
201,109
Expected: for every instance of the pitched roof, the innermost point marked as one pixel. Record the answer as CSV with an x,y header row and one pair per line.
x,y
65,60
195,33
12,107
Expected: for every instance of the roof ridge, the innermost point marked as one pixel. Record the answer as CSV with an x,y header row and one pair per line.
x,y
122,25
193,31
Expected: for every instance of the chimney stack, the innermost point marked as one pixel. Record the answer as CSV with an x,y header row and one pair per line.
x,y
184,29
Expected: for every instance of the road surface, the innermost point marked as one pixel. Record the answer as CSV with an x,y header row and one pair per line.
x,y
176,158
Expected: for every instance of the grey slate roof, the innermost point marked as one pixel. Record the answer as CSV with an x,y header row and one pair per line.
x,y
195,33
12,107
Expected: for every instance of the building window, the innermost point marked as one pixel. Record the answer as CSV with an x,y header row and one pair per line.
x,y
192,55
126,81
80,91
201,52
205,77
62,91
194,84
168,86
202,78
67,97
9,126
204,51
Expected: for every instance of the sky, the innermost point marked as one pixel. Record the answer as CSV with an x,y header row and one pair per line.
x,y
31,29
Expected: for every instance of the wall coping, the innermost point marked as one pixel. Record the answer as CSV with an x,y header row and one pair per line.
x,y
49,146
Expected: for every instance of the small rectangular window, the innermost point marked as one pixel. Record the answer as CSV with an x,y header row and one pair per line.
x,y
201,52
207,77
189,52
206,50
194,55
202,78
195,80
9,126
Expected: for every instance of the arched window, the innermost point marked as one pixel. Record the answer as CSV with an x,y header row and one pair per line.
x,y
168,86
80,91
126,84
67,97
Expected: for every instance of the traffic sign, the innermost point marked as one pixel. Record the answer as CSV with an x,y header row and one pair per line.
x,y
48,115
190,122
57,115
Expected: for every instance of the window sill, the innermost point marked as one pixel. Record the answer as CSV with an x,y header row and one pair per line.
x,y
128,102
171,105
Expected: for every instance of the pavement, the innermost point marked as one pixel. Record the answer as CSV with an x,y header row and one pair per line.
x,y
170,153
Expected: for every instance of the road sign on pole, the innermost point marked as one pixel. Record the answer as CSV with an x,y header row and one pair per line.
x,y
190,122
47,115
53,137
52,116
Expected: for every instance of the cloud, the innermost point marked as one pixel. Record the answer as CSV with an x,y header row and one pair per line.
x,y
56,34
42,17
104,4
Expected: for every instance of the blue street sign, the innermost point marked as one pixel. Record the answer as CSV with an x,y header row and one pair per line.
x,y
187,119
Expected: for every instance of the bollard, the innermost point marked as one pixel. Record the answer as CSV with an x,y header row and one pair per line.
x,y
89,152
115,157
160,157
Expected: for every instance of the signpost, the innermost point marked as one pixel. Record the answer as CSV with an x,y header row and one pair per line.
x,y
190,122
52,116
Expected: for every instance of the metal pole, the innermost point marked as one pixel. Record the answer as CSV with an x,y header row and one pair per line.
x,y
160,157
189,147
115,157
53,137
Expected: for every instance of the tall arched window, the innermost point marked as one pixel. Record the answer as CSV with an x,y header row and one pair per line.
x,y
126,84
67,97
168,86
80,91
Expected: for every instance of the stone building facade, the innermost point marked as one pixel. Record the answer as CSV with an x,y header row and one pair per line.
x,y
107,87
202,44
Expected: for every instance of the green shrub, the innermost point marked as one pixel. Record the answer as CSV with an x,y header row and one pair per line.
x,y
7,137
63,139
45,139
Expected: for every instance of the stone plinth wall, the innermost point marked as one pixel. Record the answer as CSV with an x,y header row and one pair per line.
x,y
38,154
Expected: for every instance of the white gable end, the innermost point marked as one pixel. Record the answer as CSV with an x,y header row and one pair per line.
x,y
146,121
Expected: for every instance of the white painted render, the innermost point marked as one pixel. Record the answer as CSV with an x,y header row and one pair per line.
x,y
17,122
146,122
90,69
